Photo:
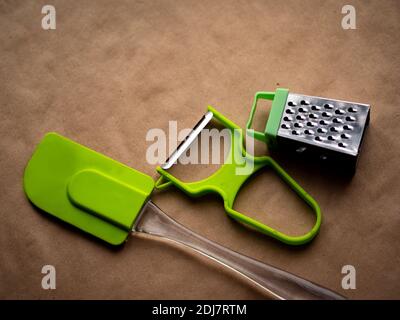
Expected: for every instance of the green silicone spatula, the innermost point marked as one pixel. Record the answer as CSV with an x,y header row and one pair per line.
x,y
110,201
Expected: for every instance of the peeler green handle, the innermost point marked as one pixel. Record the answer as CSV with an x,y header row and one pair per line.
x,y
231,176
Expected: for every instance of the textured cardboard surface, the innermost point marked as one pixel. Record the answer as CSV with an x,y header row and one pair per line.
x,y
114,69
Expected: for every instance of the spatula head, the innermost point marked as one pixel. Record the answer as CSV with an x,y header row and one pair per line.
x,y
86,189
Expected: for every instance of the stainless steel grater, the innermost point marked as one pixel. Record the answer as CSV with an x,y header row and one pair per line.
x,y
326,129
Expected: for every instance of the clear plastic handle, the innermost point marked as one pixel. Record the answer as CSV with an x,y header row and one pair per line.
x,y
280,284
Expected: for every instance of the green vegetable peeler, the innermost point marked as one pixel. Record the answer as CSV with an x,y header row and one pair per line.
x,y
230,177
110,201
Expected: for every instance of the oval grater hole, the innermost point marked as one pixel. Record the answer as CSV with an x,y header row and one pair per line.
x,y
350,118
309,132
291,103
311,124
340,111
345,136
304,102
300,117
298,125
289,111
287,118
326,114
342,144
285,126
348,127
315,108
331,138
301,109
313,116
337,120
334,129
319,138
295,132
352,109
324,122
322,130
328,106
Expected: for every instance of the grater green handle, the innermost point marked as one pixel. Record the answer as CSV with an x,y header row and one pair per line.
x,y
227,183
278,98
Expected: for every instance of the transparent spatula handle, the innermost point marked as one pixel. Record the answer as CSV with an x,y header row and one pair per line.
x,y
280,284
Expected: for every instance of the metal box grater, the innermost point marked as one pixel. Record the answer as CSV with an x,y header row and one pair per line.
x,y
327,129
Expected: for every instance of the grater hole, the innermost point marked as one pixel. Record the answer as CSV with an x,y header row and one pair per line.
x,y
322,130
345,136
287,118
326,114
352,109
304,102
324,122
291,103
311,124
347,127
350,118
313,116
295,132
342,144
309,132
301,109
318,138
300,117
285,126
334,129
337,120
298,125
339,111
289,111
315,108
328,106
331,138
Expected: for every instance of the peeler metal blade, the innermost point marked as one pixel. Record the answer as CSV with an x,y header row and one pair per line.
x,y
185,144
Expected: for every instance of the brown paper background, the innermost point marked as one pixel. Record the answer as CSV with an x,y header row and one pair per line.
x,y
114,69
